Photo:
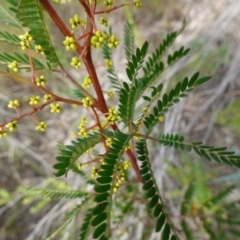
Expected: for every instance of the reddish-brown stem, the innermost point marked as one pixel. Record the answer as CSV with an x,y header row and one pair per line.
x,y
134,164
87,59
93,75
83,35
36,109
89,12
57,20
54,96
62,27
33,118
93,160
17,111
65,74
100,127
114,8
31,64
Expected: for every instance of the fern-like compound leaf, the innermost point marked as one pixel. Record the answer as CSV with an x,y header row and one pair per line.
x,y
78,94
71,153
54,194
186,230
86,225
154,66
218,199
127,99
31,16
180,91
7,16
154,61
152,193
187,199
177,55
9,38
136,61
128,40
6,58
112,75
105,184
208,152
67,219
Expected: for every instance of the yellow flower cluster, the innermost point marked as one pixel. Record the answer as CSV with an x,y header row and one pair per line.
x,y
102,161
25,40
34,100
110,94
12,126
73,135
82,128
41,81
47,97
41,126
137,3
109,142
39,49
14,66
126,165
56,108
76,63
95,172
112,116
76,21
103,21
87,82
161,119
62,1
80,165
136,137
91,1
121,171
87,102
113,42
13,104
98,38
108,3
69,42
127,148
3,133
108,63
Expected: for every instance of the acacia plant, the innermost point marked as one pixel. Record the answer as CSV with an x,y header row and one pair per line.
x,y
115,136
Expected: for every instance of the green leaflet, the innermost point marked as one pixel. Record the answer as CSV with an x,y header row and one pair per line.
x,y
187,231
105,184
9,38
152,193
112,75
30,14
180,91
7,17
6,58
53,193
86,225
135,62
71,153
127,100
154,66
218,199
187,199
67,219
128,40
207,152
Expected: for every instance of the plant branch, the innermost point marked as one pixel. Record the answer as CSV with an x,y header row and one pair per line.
x,y
114,8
